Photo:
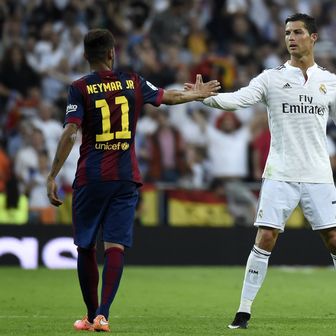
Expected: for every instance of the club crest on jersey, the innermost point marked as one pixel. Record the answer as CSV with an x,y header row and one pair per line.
x,y
260,214
323,89
71,108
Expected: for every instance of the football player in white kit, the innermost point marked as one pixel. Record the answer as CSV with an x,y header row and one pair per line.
x,y
300,96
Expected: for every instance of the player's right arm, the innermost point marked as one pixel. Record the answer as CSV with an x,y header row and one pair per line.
x,y
63,150
73,119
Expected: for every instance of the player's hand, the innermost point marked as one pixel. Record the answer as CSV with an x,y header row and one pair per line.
x,y
205,89
52,192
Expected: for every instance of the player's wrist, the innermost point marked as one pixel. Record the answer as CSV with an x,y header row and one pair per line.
x,y
50,177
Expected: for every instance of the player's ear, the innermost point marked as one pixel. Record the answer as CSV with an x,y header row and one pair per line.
x,y
314,37
110,54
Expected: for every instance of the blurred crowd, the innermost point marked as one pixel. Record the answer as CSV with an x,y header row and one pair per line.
x,y
167,42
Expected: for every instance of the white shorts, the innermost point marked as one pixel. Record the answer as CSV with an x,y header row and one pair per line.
x,y
278,199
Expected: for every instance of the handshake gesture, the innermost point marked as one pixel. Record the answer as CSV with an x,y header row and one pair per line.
x,y
191,92
204,89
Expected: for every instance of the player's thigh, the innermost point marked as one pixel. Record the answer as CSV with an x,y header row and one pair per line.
x,y
318,204
119,215
87,213
277,201
109,206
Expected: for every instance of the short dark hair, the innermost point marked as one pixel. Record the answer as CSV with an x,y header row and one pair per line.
x,y
308,21
97,42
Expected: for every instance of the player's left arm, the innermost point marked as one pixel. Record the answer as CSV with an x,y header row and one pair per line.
x,y
63,150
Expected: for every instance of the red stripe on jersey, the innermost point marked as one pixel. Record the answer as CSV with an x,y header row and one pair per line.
x,y
159,97
135,167
81,177
108,166
82,86
73,120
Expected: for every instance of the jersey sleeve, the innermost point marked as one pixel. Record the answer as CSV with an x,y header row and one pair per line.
x,y
75,106
249,95
151,94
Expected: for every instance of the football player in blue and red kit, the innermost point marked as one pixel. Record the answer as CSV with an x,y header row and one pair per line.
x,y
106,105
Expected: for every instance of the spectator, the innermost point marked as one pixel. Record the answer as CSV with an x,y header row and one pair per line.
x,y
40,210
171,25
260,143
198,168
16,76
42,12
66,176
167,161
13,204
49,49
228,164
47,122
4,169
26,161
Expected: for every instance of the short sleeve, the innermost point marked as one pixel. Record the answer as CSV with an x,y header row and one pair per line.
x,y
75,106
151,94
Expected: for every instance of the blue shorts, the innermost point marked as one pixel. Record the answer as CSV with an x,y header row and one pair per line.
x,y
109,206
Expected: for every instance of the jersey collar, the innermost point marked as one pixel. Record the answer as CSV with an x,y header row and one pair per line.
x,y
299,73
309,70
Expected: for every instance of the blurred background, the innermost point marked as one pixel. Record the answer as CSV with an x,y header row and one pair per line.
x,y
190,180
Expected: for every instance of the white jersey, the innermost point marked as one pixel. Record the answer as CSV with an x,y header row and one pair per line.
x,y
298,112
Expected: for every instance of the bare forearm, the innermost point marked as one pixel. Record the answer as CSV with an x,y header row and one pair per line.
x,y
172,97
63,150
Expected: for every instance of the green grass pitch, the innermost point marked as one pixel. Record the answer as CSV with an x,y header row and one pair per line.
x,y
172,301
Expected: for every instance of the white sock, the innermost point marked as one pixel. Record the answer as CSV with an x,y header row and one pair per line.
x,y
333,256
255,273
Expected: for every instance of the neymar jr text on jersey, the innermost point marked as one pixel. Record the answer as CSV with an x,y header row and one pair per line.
x,y
109,86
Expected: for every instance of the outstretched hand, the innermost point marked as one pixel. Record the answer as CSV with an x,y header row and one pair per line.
x,y
204,89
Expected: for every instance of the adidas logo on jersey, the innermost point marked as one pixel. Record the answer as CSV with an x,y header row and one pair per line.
x,y
287,86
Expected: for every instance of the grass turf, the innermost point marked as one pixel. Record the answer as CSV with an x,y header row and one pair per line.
x,y
172,301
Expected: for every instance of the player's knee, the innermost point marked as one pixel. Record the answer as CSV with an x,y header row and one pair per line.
x,y
330,239
266,238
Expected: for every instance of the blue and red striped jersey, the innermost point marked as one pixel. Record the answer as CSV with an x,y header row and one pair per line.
x,y
107,105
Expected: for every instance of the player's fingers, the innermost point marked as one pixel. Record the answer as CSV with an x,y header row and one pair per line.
x,y
54,200
188,86
199,79
57,202
214,85
215,81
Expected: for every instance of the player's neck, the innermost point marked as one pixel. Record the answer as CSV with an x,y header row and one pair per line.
x,y
304,62
100,66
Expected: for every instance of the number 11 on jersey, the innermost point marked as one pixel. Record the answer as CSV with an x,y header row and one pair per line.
x,y
125,133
